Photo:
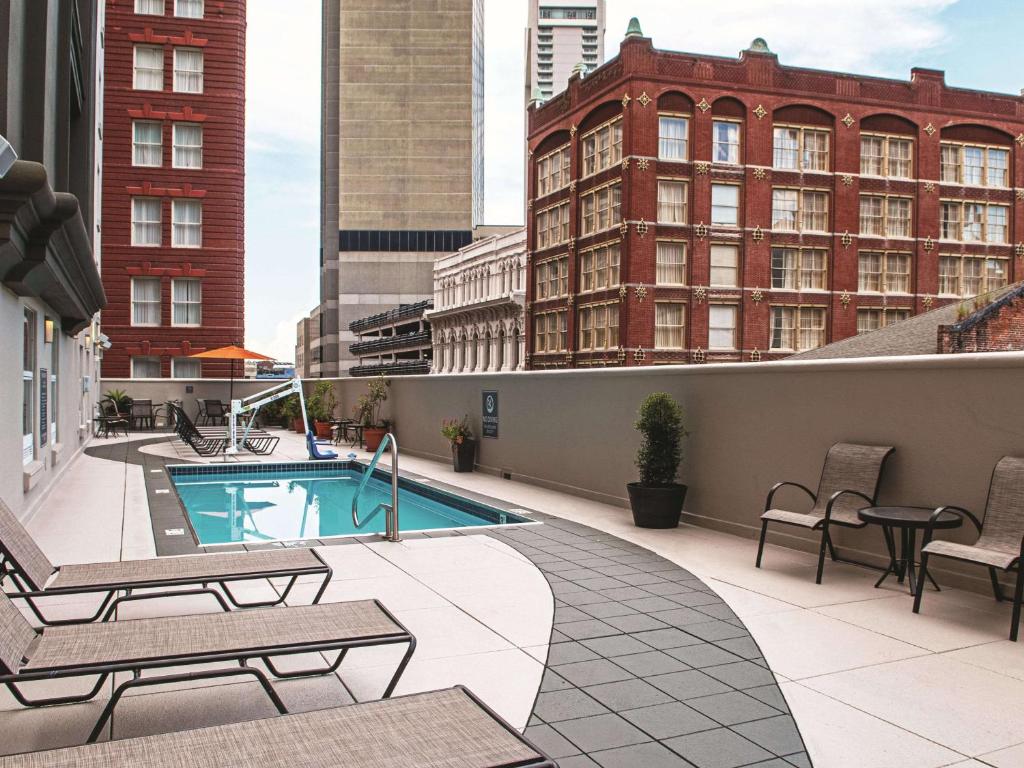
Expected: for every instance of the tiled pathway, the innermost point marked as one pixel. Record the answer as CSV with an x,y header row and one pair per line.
x,y
647,665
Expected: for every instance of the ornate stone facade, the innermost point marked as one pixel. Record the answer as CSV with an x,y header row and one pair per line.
x,y
479,295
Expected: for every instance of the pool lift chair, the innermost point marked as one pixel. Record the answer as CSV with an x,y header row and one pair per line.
x,y
252,404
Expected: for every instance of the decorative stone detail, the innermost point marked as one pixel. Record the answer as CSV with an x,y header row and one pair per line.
x,y
1019,250
639,355
760,173
623,291
928,244
1020,194
625,100
642,163
572,129
848,120
641,292
644,99
699,355
701,230
621,354
1020,139
529,204
570,300
625,163
755,356
700,293
845,298
703,105
702,167
927,302
572,186
623,229
757,295
929,186
846,239
760,111
572,243
929,129
847,179
569,356
757,234
641,227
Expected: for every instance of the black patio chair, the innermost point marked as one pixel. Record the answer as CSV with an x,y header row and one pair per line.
x,y
143,414
216,413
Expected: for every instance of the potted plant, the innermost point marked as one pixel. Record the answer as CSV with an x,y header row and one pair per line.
x,y
120,398
657,500
369,412
320,407
293,414
463,445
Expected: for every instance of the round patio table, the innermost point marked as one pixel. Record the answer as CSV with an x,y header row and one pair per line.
x,y
908,520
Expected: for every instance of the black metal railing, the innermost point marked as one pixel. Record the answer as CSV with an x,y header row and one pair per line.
x,y
401,341
398,368
391,316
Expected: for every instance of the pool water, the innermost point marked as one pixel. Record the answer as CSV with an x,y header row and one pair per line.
x,y
303,501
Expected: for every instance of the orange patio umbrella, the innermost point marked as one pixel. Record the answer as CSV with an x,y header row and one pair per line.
x,y
231,353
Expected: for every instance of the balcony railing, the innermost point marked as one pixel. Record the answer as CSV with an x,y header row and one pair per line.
x,y
391,316
398,368
401,341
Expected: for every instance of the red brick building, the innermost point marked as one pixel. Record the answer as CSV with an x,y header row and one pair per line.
x,y
691,208
173,184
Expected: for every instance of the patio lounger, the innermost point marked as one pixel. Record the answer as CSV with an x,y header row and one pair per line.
x,y
258,441
1000,544
441,729
196,440
35,577
235,639
849,481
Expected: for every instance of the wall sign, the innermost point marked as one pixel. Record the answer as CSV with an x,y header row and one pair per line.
x,y
44,422
490,414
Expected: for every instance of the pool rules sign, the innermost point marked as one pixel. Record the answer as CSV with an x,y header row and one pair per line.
x,y
489,421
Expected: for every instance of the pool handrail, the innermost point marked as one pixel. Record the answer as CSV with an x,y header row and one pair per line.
x,y
391,521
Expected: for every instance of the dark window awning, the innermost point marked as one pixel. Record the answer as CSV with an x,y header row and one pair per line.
x,y
45,250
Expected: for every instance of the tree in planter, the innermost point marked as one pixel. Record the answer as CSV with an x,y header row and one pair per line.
x,y
369,408
320,408
292,411
460,436
657,500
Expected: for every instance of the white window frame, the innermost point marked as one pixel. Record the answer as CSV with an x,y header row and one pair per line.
x,y
663,331
718,248
802,213
189,72
799,271
885,274
739,204
175,302
605,204
959,176
148,359
597,157
142,147
732,148
887,220
961,223
178,228
800,161
135,66
735,312
137,302
666,142
886,157
886,316
797,330
175,361
672,212
135,240
987,281
589,331
140,6
594,277
175,145
674,266
178,5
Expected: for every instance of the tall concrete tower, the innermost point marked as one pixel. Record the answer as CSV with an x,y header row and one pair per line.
x,y
560,35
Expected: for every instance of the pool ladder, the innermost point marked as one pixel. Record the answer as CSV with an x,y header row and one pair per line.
x,y
391,510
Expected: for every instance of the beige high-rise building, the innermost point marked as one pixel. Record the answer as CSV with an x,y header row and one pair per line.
x,y
401,156
560,35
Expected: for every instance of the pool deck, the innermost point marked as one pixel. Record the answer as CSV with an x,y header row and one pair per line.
x,y
643,664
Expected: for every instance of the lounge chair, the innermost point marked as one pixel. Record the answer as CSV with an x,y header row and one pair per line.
x,y
202,443
35,577
234,639
441,729
1000,544
849,481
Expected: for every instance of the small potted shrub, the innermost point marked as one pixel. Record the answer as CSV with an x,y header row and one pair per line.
x,y
463,445
293,414
120,399
657,500
369,409
321,407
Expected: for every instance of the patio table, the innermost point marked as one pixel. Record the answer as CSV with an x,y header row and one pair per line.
x,y
908,520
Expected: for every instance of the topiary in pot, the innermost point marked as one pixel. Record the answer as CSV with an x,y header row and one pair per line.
x,y
657,500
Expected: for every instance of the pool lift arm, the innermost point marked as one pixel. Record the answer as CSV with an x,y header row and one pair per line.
x,y
253,403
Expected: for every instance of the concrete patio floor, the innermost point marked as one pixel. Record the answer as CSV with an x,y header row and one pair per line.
x,y
869,683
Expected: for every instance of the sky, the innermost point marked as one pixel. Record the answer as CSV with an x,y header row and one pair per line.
x,y
976,42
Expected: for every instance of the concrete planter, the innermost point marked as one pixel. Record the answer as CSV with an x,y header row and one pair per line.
x,y
656,506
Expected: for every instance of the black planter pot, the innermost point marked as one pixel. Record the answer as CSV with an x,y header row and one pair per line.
x,y
464,455
656,506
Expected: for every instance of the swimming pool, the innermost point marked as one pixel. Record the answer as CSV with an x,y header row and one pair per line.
x,y
252,503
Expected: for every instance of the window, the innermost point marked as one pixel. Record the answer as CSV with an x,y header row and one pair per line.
x,y
885,216
188,9
975,165
673,136
725,204
601,209
973,222
188,145
725,265
669,325
801,210
188,70
599,326
799,269
671,263
722,326
146,301
186,368
599,268
186,302
553,172
602,147
725,142
886,156
970,275
145,367
553,226
882,272
671,202
797,329
552,278
147,144
149,7
873,319
797,148
186,224
550,331
146,223
30,334
149,68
